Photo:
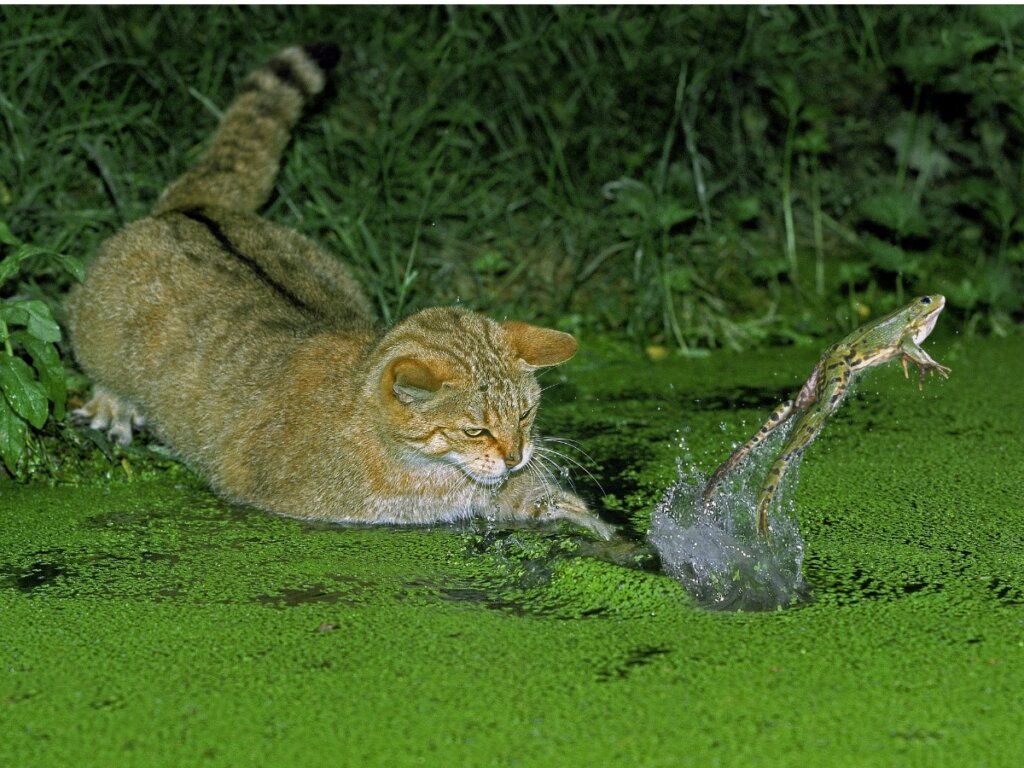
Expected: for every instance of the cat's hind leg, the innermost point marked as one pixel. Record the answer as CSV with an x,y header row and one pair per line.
x,y
106,411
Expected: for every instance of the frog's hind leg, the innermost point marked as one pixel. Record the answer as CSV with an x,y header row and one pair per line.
x,y
107,411
807,428
779,416
827,399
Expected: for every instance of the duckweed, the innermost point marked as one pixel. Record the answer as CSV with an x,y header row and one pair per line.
x,y
145,622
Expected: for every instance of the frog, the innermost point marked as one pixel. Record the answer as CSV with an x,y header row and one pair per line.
x,y
898,334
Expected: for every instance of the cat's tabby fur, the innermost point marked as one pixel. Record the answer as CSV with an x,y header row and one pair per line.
x,y
257,358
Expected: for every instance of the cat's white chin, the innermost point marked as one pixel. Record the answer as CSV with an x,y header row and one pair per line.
x,y
491,481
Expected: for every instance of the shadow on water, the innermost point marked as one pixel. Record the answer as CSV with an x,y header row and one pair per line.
x,y
350,593
636,658
77,571
521,572
36,574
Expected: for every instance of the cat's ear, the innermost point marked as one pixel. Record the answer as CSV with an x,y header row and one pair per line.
x,y
539,347
412,380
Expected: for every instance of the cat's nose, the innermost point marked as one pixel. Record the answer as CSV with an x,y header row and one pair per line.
x,y
513,457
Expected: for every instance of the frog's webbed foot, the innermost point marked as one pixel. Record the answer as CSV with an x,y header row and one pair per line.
x,y
924,365
106,411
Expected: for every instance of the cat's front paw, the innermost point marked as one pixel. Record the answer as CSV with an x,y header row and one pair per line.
x,y
562,505
106,411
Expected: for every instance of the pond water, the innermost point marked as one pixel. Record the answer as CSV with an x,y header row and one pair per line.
x,y
715,551
143,621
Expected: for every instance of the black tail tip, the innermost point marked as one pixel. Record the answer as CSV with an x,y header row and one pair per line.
x,y
326,55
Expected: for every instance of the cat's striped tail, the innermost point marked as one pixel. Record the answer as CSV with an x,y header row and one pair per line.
x,y
238,170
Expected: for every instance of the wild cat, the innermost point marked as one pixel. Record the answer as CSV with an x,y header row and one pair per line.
x,y
257,358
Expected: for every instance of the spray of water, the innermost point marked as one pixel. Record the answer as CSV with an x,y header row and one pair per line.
x,y
715,551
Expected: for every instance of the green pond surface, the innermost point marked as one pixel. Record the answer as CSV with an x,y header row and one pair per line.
x,y
145,622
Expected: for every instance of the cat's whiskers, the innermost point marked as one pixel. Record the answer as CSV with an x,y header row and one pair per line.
x,y
455,490
548,453
550,386
544,469
557,473
574,444
540,469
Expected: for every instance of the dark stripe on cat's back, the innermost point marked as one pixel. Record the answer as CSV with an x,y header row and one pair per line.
x,y
198,216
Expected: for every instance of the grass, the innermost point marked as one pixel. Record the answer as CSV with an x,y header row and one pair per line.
x,y
466,152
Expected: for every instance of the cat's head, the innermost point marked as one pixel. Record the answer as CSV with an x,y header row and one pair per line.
x,y
459,388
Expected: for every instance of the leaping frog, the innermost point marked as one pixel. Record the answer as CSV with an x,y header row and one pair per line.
x,y
898,334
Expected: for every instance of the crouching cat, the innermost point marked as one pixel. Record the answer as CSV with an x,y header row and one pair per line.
x,y
257,358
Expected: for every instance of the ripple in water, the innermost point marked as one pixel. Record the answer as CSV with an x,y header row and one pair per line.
x,y
716,552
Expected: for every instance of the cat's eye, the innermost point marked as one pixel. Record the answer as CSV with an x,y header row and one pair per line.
x,y
476,433
527,414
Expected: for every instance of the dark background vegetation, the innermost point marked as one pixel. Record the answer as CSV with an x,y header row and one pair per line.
x,y
688,178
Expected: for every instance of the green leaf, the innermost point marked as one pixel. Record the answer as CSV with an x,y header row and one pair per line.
x,y
491,262
34,315
40,322
24,394
73,266
746,208
894,211
680,279
12,262
669,214
813,141
49,368
790,99
9,266
891,257
965,295
854,271
5,235
13,435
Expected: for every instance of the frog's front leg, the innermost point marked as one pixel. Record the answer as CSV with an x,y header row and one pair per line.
x,y
779,416
806,429
923,361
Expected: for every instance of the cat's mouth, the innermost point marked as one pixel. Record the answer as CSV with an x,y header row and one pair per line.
x,y
486,480
491,481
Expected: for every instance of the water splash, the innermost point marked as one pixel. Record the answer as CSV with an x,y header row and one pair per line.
x,y
715,552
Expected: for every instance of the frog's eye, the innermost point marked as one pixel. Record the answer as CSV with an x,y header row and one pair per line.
x,y
926,300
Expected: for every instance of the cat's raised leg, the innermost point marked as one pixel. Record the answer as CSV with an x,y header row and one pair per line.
x,y
527,498
106,411
562,505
